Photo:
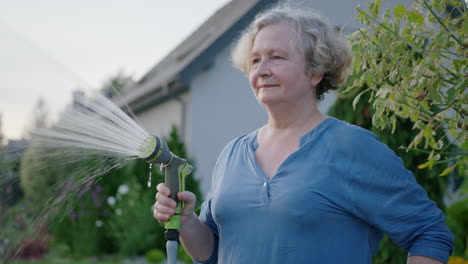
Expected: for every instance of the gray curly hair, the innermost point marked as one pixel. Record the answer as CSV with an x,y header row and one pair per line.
x,y
326,50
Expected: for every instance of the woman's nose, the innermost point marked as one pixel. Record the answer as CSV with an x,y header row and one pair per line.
x,y
263,68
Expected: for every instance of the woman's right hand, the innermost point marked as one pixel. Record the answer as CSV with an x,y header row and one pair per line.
x,y
196,237
164,207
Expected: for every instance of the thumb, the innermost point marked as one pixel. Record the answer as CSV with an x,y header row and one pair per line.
x,y
190,199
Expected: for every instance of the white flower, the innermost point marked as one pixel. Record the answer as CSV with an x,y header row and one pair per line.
x,y
123,189
118,211
111,200
98,223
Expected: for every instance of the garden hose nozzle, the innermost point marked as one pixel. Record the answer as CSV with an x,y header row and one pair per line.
x,y
155,150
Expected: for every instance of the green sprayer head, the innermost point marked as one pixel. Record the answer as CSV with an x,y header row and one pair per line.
x,y
148,147
155,150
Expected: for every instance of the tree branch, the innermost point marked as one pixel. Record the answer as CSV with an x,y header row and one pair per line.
x,y
442,23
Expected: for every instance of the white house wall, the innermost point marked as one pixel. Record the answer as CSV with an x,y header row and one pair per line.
x,y
159,120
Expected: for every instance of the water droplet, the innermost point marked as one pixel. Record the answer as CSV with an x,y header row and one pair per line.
x,y
149,179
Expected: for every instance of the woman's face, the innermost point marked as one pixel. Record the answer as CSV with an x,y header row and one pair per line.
x,y
277,67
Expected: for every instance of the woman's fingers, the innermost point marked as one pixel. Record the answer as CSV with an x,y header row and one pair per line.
x,y
164,207
163,189
161,212
161,217
162,199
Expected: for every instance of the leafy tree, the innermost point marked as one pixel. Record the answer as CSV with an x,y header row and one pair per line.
x,y
3,172
115,84
413,63
40,117
1,132
10,192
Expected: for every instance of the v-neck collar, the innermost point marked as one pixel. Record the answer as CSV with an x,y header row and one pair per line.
x,y
253,145
302,140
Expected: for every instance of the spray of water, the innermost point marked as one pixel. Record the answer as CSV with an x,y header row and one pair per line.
x,y
92,137
96,124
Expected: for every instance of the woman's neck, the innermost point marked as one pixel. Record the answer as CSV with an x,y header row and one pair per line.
x,y
295,119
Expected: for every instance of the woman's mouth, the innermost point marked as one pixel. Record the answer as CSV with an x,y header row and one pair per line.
x,y
267,85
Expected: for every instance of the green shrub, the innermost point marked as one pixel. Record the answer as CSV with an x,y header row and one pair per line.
x,y
457,219
17,225
155,256
75,225
132,225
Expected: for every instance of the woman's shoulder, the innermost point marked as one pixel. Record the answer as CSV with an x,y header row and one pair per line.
x,y
350,135
239,143
358,142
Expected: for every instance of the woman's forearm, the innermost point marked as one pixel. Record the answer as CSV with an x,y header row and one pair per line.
x,y
197,238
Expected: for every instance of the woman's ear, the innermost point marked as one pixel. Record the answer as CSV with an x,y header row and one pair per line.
x,y
315,79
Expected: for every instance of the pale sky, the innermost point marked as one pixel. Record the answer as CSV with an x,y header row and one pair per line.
x,y
50,47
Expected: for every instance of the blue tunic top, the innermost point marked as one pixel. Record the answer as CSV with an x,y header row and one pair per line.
x,y
329,202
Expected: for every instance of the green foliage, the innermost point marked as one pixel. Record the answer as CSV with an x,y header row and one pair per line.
x,y
413,63
361,115
17,224
1,132
75,225
37,178
457,219
155,256
40,117
10,191
131,225
116,84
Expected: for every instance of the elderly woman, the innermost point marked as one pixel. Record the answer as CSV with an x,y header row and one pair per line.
x,y
304,188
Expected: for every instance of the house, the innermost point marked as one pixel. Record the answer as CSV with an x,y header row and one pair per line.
x,y
196,88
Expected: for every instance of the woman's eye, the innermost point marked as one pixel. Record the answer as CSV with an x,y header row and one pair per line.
x,y
276,57
256,60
